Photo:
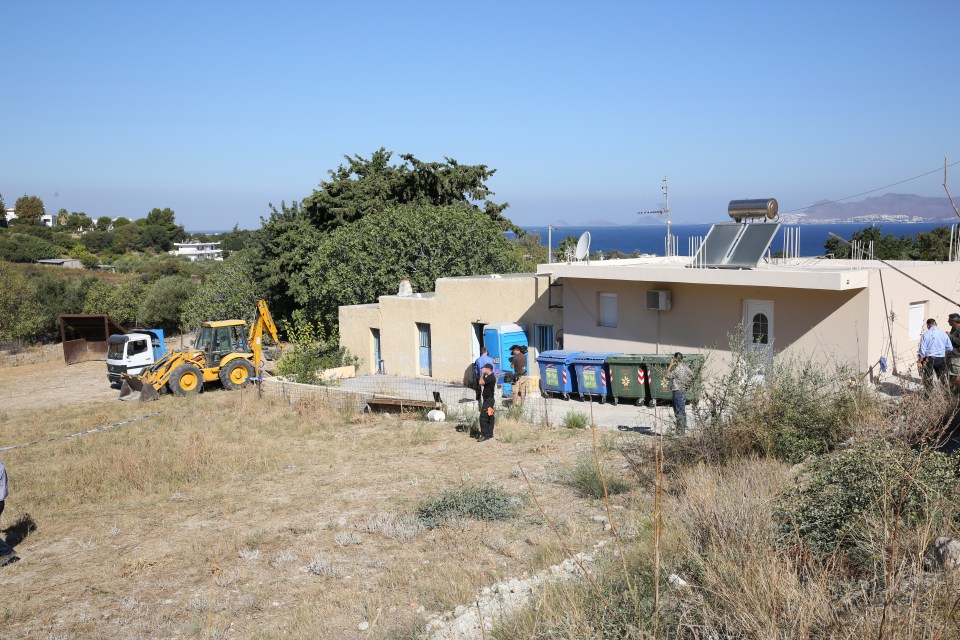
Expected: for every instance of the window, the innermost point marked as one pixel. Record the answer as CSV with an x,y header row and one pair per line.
x,y
136,346
608,310
760,331
543,337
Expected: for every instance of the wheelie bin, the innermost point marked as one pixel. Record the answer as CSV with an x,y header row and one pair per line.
x,y
593,375
659,382
628,378
556,374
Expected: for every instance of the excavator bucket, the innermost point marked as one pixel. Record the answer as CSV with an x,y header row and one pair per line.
x,y
133,388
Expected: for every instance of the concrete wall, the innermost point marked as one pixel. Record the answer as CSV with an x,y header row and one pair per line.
x,y
891,295
450,312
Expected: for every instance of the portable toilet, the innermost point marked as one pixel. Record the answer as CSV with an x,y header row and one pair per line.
x,y
498,338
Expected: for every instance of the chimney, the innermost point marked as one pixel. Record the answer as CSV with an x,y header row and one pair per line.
x,y
405,290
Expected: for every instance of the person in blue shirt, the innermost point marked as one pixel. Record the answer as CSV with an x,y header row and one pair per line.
x,y
478,365
931,357
6,552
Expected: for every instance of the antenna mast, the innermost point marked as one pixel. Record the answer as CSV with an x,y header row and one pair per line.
x,y
665,212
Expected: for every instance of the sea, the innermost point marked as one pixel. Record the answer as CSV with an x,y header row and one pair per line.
x,y
650,239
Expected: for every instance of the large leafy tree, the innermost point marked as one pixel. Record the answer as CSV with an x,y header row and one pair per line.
x,y
165,300
229,291
29,209
363,186
365,259
21,315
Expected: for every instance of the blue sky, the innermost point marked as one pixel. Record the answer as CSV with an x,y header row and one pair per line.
x,y
216,109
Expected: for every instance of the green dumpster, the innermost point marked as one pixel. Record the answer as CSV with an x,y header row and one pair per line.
x,y
657,375
627,378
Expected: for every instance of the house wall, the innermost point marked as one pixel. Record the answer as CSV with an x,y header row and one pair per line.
x,y
815,323
891,295
450,312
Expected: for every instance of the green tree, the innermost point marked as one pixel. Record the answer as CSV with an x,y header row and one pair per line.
x,y
230,291
21,315
81,253
165,300
57,295
120,222
23,247
3,207
121,300
79,220
283,246
368,258
62,217
129,237
363,186
103,223
29,209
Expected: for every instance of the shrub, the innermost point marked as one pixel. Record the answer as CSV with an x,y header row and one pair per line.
x,y
311,351
163,303
576,420
479,502
840,497
586,479
21,247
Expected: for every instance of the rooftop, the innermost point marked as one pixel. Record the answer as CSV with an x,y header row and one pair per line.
x,y
799,273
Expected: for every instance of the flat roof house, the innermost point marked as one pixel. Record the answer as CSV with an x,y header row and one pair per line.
x,y
438,334
835,311
198,250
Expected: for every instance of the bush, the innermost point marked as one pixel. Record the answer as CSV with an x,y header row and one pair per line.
x,y
586,479
311,352
163,303
576,420
22,247
479,502
841,496
21,316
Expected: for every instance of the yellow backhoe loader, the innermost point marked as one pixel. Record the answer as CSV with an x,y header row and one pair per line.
x,y
224,351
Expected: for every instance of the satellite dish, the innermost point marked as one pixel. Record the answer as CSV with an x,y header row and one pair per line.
x,y
583,246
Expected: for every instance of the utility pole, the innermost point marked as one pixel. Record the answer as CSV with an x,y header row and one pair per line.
x,y
549,243
665,212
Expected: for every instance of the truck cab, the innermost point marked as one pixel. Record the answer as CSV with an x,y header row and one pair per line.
x,y
133,352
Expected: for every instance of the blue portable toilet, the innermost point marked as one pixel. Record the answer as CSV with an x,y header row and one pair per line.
x,y
593,373
498,338
556,374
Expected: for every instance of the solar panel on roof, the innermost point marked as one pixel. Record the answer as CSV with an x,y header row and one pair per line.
x,y
736,246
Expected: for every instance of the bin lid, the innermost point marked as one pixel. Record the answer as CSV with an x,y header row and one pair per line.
x,y
594,357
626,358
559,356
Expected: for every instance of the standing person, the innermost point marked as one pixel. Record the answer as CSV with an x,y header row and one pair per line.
x,y
931,357
953,361
478,365
6,553
519,362
488,386
680,377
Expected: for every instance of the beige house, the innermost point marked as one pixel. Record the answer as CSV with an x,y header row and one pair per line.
x,y
836,311
438,334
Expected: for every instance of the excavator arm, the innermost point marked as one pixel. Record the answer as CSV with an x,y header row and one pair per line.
x,y
263,322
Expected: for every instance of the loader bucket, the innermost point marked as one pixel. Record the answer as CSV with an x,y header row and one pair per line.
x,y
133,388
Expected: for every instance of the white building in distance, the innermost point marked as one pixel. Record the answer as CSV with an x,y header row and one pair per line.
x,y
198,250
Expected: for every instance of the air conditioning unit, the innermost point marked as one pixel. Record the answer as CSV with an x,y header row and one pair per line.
x,y
658,300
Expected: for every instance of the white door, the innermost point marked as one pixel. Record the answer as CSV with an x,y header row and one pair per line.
x,y
758,325
916,321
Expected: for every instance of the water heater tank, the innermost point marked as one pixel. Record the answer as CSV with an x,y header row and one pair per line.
x,y
758,208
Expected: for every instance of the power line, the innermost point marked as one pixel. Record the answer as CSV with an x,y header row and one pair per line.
x,y
856,195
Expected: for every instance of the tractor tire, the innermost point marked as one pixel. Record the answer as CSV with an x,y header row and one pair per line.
x,y
236,373
186,380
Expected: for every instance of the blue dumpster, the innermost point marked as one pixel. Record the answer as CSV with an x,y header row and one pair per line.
x,y
556,374
593,373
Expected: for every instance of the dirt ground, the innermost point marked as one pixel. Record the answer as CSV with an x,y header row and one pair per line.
x,y
233,516
54,384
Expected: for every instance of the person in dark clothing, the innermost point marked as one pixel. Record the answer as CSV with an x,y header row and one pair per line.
x,y
478,369
488,386
953,359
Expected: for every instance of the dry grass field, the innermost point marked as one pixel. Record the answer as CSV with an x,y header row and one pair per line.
x,y
232,516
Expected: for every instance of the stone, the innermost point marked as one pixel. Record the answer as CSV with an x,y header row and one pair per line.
x,y
943,554
363,626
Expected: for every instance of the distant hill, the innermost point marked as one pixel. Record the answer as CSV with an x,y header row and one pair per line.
x,y
891,207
